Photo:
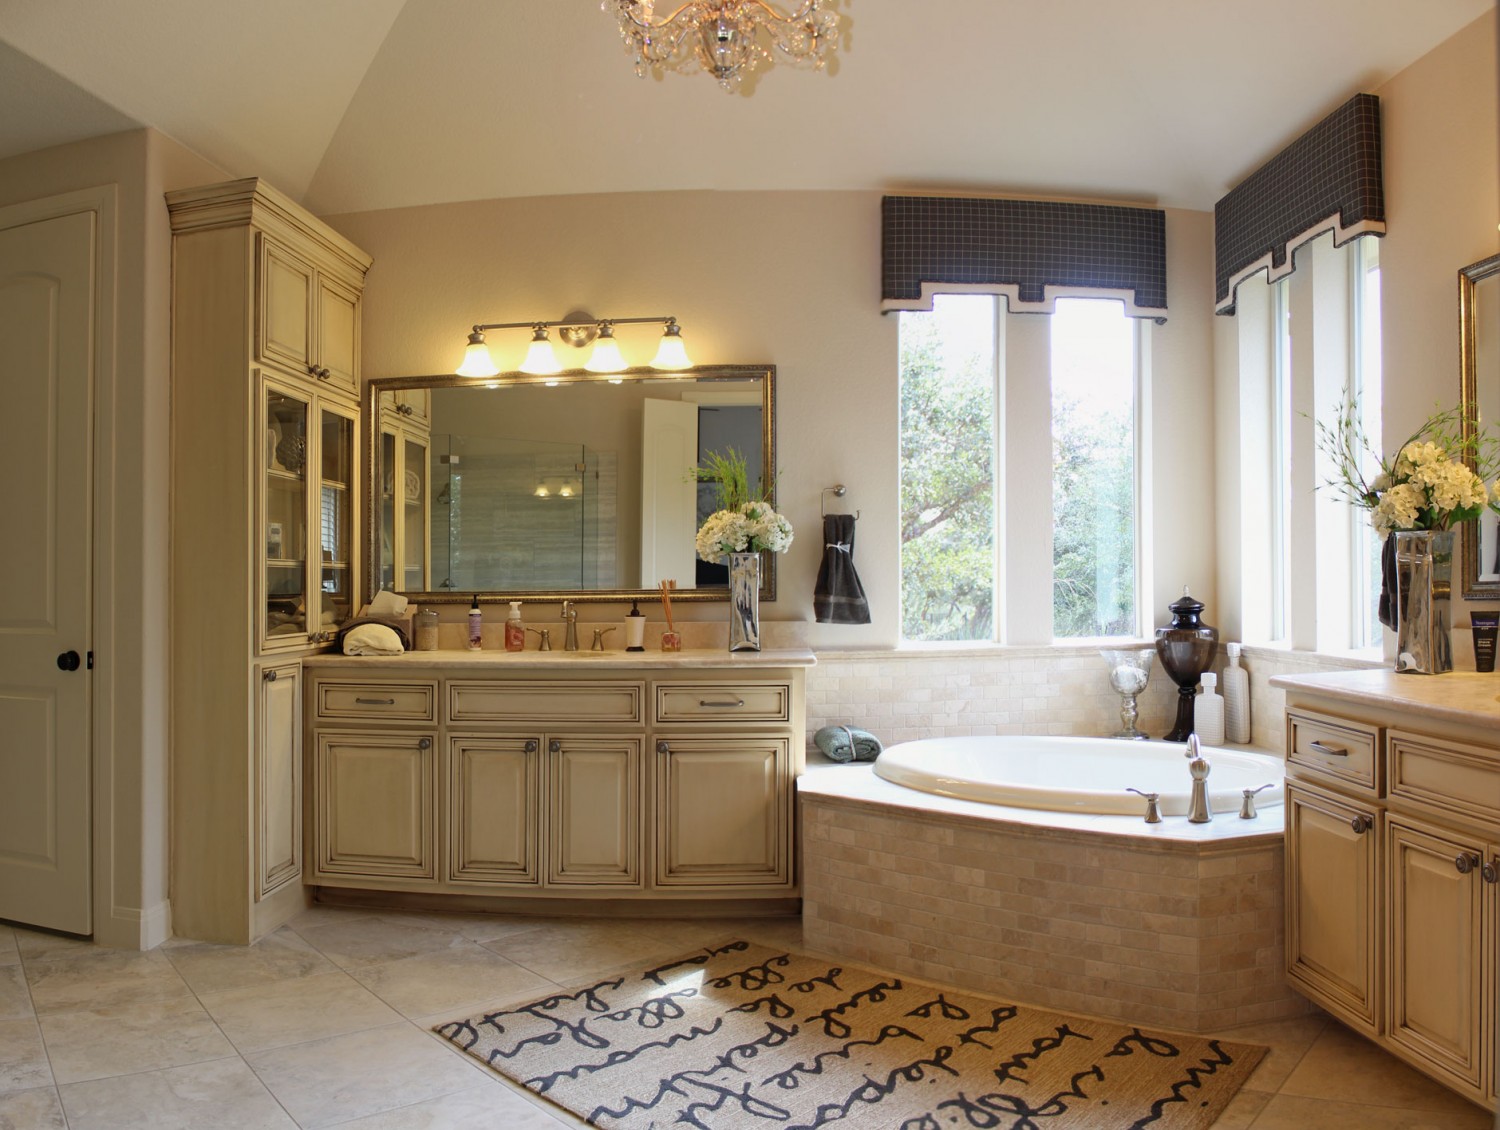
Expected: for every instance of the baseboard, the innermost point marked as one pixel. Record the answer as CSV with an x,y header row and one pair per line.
x,y
131,928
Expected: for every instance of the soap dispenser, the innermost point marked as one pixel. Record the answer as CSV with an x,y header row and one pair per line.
x,y
635,628
1208,712
515,631
476,626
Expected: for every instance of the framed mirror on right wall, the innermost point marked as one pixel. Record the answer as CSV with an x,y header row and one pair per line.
x,y
1479,353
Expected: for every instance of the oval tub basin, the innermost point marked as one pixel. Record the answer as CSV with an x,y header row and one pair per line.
x,y
1086,775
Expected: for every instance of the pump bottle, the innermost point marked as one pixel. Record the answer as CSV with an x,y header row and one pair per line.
x,y
476,626
515,631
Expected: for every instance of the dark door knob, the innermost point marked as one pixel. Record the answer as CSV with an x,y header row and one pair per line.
x,y
68,661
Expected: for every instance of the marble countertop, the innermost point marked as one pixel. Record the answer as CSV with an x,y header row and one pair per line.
x,y
582,661
1459,696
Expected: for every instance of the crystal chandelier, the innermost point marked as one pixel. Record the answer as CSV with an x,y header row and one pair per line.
x,y
726,38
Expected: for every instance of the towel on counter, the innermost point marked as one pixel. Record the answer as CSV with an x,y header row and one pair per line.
x,y
372,639
845,743
400,635
838,597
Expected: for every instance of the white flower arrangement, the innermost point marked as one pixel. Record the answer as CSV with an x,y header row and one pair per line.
x,y
752,527
741,524
1430,485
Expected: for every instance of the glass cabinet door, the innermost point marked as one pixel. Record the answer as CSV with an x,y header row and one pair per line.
x,y
386,478
284,509
335,518
415,548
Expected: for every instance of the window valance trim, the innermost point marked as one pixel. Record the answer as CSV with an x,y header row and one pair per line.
x,y
1329,179
1032,252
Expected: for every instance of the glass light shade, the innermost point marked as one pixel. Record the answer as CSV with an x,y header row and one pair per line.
x,y
606,357
477,361
540,357
672,353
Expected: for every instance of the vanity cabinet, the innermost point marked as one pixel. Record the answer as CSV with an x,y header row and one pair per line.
x,y
583,777
265,350
1393,864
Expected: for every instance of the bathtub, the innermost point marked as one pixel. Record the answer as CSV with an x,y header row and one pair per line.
x,y
1080,775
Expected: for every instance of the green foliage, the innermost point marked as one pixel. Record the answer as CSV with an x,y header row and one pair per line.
x,y
947,497
730,475
1093,535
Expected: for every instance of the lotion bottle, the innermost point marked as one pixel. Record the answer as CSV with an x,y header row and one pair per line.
x,y
476,626
1236,698
1208,712
515,631
635,628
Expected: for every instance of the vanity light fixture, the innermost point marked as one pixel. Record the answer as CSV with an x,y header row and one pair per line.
x,y
728,39
577,329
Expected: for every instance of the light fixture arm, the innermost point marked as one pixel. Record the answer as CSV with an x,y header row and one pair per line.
x,y
578,328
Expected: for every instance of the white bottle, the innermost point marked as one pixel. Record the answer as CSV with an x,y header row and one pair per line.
x,y
1236,698
1208,712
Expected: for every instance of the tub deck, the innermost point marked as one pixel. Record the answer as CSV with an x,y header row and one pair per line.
x,y
1172,924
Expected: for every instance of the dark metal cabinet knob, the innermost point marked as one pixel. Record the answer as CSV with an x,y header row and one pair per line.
x,y
69,661
1466,862
1362,823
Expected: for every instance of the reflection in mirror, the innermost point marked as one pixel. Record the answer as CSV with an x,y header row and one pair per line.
x,y
574,485
1479,329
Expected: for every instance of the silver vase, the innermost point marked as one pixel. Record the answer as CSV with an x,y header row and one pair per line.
x,y
1424,589
744,602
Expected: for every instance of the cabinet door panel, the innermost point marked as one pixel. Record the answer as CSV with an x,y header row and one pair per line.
x,y
278,779
494,809
286,308
282,509
375,805
723,811
594,801
338,335
1436,974
1331,887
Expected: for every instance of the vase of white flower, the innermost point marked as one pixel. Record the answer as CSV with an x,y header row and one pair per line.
x,y
1423,595
741,529
1436,481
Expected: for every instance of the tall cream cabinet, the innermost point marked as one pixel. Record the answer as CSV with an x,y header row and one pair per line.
x,y
576,777
265,422
1393,863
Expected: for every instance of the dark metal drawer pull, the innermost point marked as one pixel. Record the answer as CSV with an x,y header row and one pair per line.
x,y
1328,750
729,705
376,701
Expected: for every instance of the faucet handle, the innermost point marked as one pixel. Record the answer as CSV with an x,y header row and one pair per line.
x,y
544,638
568,611
599,634
1247,806
1153,810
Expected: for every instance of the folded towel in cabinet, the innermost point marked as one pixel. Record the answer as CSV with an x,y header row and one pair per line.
x,y
845,743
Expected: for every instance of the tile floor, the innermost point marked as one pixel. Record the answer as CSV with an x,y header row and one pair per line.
x,y
325,1023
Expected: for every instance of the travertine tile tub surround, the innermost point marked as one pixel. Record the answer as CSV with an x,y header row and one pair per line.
x,y
1173,924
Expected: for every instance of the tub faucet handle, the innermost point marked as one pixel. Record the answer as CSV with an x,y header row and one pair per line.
x,y
1153,810
1247,806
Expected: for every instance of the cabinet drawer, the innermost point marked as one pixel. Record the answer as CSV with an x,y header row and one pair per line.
x,y
1334,749
377,702
545,702
1443,774
723,702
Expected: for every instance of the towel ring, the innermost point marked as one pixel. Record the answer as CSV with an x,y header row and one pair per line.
x,y
838,492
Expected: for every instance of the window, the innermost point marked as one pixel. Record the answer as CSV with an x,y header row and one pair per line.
x,y
954,520
1281,459
1093,470
1366,389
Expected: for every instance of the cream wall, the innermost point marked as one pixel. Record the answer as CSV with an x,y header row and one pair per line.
x,y
791,279
131,553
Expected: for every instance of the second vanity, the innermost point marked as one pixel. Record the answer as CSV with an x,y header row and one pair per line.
x,y
556,776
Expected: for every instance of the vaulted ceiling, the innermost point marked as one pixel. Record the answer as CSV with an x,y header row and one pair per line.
x,y
352,105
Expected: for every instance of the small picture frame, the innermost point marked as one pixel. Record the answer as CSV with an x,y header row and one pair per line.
x,y
273,541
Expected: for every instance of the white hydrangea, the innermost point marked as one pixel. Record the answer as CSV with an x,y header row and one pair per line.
x,y
752,527
1398,508
1448,486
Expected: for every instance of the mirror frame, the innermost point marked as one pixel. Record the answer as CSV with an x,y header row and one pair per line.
x,y
1468,278
697,374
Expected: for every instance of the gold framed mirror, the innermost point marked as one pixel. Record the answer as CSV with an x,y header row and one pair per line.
x,y
1479,357
573,486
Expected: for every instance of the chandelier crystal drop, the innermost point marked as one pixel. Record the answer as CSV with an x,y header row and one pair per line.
x,y
726,38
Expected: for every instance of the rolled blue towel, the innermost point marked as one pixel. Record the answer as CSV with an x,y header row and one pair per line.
x,y
845,743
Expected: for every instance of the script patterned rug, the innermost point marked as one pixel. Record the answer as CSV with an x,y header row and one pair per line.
x,y
738,1037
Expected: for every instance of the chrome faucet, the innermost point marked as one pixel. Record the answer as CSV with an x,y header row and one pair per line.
x,y
570,626
1198,810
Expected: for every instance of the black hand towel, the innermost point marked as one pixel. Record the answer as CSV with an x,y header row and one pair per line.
x,y
1386,610
839,598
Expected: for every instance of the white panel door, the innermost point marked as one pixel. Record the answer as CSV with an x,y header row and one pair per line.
x,y
46,347
669,498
